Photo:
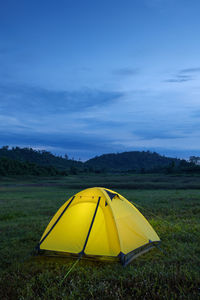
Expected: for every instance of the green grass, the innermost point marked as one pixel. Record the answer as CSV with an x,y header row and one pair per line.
x,y
117,181
27,205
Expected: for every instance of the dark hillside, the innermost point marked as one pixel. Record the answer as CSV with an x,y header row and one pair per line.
x,y
42,158
10,167
134,160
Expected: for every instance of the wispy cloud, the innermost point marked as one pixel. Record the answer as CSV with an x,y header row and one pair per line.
x,y
190,70
76,145
125,72
36,117
89,122
184,75
153,133
35,100
180,79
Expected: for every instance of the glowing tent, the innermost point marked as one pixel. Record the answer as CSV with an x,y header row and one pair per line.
x,y
98,223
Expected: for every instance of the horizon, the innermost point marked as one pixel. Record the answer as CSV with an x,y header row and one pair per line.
x,y
81,160
88,78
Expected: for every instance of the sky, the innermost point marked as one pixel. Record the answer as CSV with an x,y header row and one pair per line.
x,y
87,77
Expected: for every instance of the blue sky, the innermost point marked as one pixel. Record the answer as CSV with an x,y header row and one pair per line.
x,y
91,77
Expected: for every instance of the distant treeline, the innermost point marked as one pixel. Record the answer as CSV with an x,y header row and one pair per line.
x,y
141,162
10,167
27,161
40,157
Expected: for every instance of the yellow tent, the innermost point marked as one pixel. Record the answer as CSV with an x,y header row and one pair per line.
x,y
98,223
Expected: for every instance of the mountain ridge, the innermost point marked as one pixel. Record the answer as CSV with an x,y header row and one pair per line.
x,y
115,162
132,160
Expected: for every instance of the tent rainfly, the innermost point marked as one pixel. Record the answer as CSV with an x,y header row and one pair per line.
x,y
98,223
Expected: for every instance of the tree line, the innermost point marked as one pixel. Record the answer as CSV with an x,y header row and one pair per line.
x,y
10,167
27,161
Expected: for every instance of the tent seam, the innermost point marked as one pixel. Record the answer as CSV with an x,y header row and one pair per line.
x,y
109,202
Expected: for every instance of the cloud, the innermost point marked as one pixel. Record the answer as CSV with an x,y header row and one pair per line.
x,y
90,122
190,70
76,145
184,75
36,117
179,79
153,133
35,100
125,72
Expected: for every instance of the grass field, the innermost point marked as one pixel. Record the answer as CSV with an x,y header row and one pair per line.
x,y
170,203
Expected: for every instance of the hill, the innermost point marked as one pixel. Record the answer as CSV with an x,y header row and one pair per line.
x,y
10,167
42,158
133,161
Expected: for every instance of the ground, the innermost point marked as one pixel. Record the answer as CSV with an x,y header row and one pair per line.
x,y
170,203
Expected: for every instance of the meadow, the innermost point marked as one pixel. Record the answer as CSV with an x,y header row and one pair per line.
x,y
171,203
